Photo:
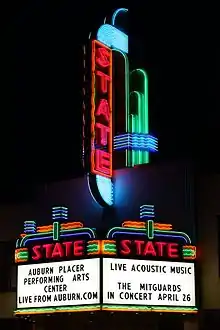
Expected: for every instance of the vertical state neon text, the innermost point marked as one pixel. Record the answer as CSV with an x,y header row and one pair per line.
x,y
101,111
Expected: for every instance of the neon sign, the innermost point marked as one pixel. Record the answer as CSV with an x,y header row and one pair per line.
x,y
133,142
148,249
58,250
101,112
66,240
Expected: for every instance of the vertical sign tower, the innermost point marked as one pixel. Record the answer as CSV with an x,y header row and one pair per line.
x,y
118,108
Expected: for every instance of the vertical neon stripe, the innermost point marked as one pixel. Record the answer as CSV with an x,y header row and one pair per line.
x,y
141,122
150,229
56,227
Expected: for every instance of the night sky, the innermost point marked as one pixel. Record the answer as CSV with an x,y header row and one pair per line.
x,y
41,84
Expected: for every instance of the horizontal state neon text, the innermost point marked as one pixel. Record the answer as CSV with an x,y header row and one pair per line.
x,y
58,250
101,112
149,249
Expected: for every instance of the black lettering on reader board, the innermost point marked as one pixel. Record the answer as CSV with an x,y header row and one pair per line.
x,y
160,287
164,292
139,296
59,297
151,287
48,276
61,270
55,279
56,284
151,268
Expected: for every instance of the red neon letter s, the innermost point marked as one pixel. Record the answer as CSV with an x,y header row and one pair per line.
x,y
103,57
124,247
36,252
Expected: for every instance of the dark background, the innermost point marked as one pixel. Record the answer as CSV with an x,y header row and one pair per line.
x,y
41,76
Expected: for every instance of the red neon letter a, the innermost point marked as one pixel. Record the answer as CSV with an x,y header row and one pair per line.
x,y
102,134
103,109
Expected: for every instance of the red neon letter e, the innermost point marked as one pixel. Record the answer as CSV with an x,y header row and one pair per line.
x,y
173,250
102,161
78,248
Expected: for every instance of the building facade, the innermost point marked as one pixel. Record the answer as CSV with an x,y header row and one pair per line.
x,y
121,195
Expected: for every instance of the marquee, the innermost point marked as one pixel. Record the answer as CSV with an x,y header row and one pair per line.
x,y
138,266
